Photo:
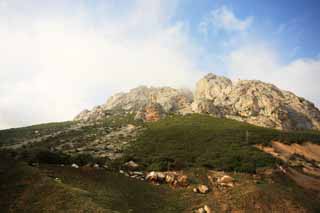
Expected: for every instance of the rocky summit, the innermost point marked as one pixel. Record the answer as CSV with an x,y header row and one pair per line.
x,y
250,101
147,103
254,102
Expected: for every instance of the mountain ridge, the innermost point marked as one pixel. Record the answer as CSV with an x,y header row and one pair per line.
x,y
252,101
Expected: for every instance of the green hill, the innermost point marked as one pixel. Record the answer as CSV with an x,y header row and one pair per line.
x,y
198,140
195,144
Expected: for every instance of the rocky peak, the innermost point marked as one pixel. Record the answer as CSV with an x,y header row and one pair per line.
x,y
251,101
254,102
149,103
212,86
171,100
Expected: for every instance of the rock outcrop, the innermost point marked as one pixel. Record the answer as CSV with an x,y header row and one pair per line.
x,y
254,102
148,103
250,101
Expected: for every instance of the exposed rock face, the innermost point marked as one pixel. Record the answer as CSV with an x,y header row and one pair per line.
x,y
152,112
254,102
171,100
149,103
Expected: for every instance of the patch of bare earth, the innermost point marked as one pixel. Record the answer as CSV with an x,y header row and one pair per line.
x,y
302,162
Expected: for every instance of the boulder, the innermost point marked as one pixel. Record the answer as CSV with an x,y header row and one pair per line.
x,y
131,165
156,177
204,209
170,178
207,209
182,180
203,189
226,180
200,210
74,166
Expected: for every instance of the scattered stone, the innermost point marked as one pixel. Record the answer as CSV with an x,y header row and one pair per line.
x,y
131,127
170,178
75,166
156,177
183,180
138,173
96,166
226,180
131,165
207,209
203,189
121,171
35,164
58,180
204,209
200,210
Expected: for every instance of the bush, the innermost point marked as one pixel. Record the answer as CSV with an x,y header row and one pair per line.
x,y
82,159
49,157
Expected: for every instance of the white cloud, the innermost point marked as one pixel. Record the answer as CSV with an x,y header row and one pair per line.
x,y
259,62
53,66
223,18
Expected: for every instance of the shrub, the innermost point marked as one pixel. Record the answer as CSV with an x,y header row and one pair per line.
x,y
49,157
82,159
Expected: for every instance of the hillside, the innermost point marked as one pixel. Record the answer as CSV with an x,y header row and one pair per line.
x,y
200,146
242,146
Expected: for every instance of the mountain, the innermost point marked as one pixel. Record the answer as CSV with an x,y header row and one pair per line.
x,y
170,150
255,102
251,101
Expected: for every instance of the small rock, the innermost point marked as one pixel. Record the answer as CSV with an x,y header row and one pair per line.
x,y
207,209
96,165
201,210
121,171
183,180
131,165
203,189
138,173
35,164
75,166
226,180
58,180
156,177
170,178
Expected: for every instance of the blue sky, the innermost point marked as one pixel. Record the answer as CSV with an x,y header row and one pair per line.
x,y
59,57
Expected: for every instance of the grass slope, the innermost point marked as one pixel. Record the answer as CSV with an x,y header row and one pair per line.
x,y
30,189
196,140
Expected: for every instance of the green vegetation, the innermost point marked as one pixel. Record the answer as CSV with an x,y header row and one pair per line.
x,y
176,142
196,140
25,133
50,188
120,118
